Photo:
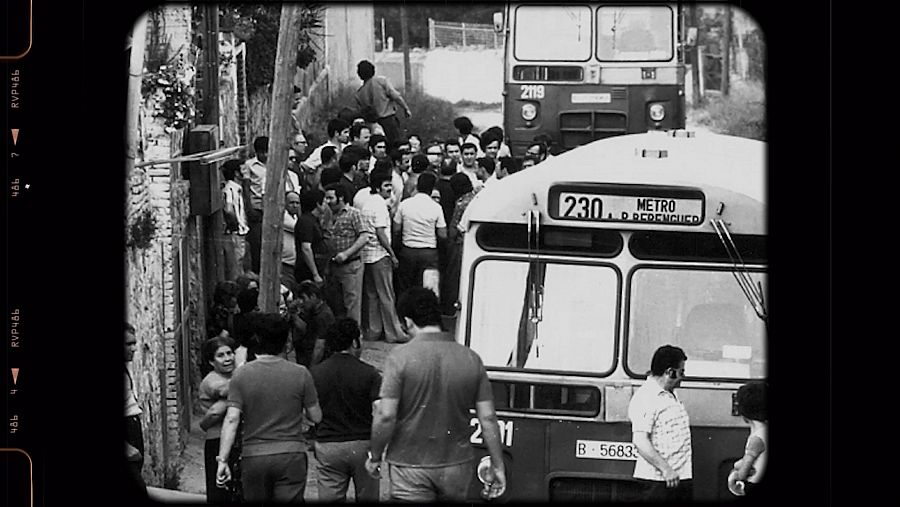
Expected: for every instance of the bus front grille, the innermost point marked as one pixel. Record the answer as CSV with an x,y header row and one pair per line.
x,y
581,127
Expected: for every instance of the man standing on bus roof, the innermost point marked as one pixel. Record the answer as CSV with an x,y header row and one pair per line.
x,y
661,430
378,100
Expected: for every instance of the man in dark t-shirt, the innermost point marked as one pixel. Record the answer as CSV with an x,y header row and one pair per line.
x,y
308,240
429,386
347,388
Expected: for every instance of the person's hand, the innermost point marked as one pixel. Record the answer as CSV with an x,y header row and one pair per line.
x,y
394,261
223,474
318,280
408,113
132,453
217,408
373,467
340,258
496,482
671,477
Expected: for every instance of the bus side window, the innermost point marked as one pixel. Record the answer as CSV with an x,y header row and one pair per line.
x,y
708,329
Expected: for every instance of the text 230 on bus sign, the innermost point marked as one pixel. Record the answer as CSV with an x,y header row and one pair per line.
x,y
629,208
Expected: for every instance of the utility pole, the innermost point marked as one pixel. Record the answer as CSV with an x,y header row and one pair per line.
x,y
726,52
404,41
695,58
279,131
213,225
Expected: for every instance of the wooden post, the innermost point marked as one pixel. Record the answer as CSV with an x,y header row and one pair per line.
x,y
133,101
464,36
214,226
404,34
279,132
431,39
383,38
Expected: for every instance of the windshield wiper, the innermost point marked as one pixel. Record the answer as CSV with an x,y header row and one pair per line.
x,y
752,291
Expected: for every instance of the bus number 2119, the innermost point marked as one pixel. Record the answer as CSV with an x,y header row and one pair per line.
x,y
506,432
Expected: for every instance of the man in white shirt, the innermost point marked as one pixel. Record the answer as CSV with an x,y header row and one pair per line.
x,y
661,431
379,260
419,223
338,132
236,227
254,173
288,249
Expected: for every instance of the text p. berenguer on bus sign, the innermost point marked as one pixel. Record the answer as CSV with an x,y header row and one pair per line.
x,y
630,204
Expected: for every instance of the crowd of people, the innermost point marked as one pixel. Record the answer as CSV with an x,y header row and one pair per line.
x,y
371,215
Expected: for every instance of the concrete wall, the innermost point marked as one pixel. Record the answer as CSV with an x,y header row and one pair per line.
x,y
350,35
449,74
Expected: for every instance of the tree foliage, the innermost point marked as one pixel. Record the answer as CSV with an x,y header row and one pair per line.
x,y
258,24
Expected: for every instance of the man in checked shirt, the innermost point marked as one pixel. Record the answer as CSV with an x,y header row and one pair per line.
x,y
661,430
348,236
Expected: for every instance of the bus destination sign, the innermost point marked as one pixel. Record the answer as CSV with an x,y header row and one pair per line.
x,y
640,209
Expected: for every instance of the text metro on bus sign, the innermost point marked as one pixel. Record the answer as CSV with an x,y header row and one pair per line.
x,y
635,204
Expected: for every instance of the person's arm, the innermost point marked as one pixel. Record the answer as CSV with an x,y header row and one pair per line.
x,y
382,235
229,431
441,233
310,259
314,413
362,237
645,447
396,97
490,429
744,466
215,414
384,423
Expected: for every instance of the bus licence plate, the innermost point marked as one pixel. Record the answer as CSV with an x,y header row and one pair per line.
x,y
603,449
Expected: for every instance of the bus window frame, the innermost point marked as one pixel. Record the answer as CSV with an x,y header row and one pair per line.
x,y
673,47
617,328
592,56
625,336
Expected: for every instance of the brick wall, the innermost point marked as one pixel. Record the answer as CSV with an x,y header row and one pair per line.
x,y
166,334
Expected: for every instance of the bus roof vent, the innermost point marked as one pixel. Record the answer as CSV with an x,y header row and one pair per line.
x,y
651,153
681,133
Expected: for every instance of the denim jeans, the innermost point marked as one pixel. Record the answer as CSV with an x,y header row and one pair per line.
x,y
438,484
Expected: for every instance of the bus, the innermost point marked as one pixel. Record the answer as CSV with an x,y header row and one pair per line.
x,y
582,72
576,270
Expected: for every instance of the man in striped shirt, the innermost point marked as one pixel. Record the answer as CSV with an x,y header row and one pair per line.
x,y
661,430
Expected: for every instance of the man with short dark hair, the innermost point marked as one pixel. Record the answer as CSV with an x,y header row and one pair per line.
x,y
338,132
310,307
272,395
134,434
470,165
360,133
418,165
429,387
254,173
308,239
661,430
419,224
347,389
380,261
348,236
377,150
377,101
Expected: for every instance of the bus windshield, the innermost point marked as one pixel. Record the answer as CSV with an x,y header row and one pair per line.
x,y
703,312
578,315
553,33
634,34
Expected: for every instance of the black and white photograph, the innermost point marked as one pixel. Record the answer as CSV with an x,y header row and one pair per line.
x,y
419,252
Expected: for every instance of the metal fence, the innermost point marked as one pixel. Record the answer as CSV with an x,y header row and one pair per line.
x,y
445,34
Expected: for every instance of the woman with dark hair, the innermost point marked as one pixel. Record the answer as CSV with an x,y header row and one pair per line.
x,y
218,360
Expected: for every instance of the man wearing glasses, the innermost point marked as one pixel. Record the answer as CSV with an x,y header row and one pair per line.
x,y
661,430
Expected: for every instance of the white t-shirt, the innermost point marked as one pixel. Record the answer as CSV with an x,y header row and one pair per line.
x,y
234,198
314,160
420,218
375,215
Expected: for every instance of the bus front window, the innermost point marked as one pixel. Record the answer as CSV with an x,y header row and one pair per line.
x,y
703,312
553,33
628,34
577,329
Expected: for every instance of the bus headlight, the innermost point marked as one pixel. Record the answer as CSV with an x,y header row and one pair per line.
x,y
657,112
529,112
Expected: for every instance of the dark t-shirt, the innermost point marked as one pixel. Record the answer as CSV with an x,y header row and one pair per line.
x,y
448,198
330,175
346,387
437,381
307,230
